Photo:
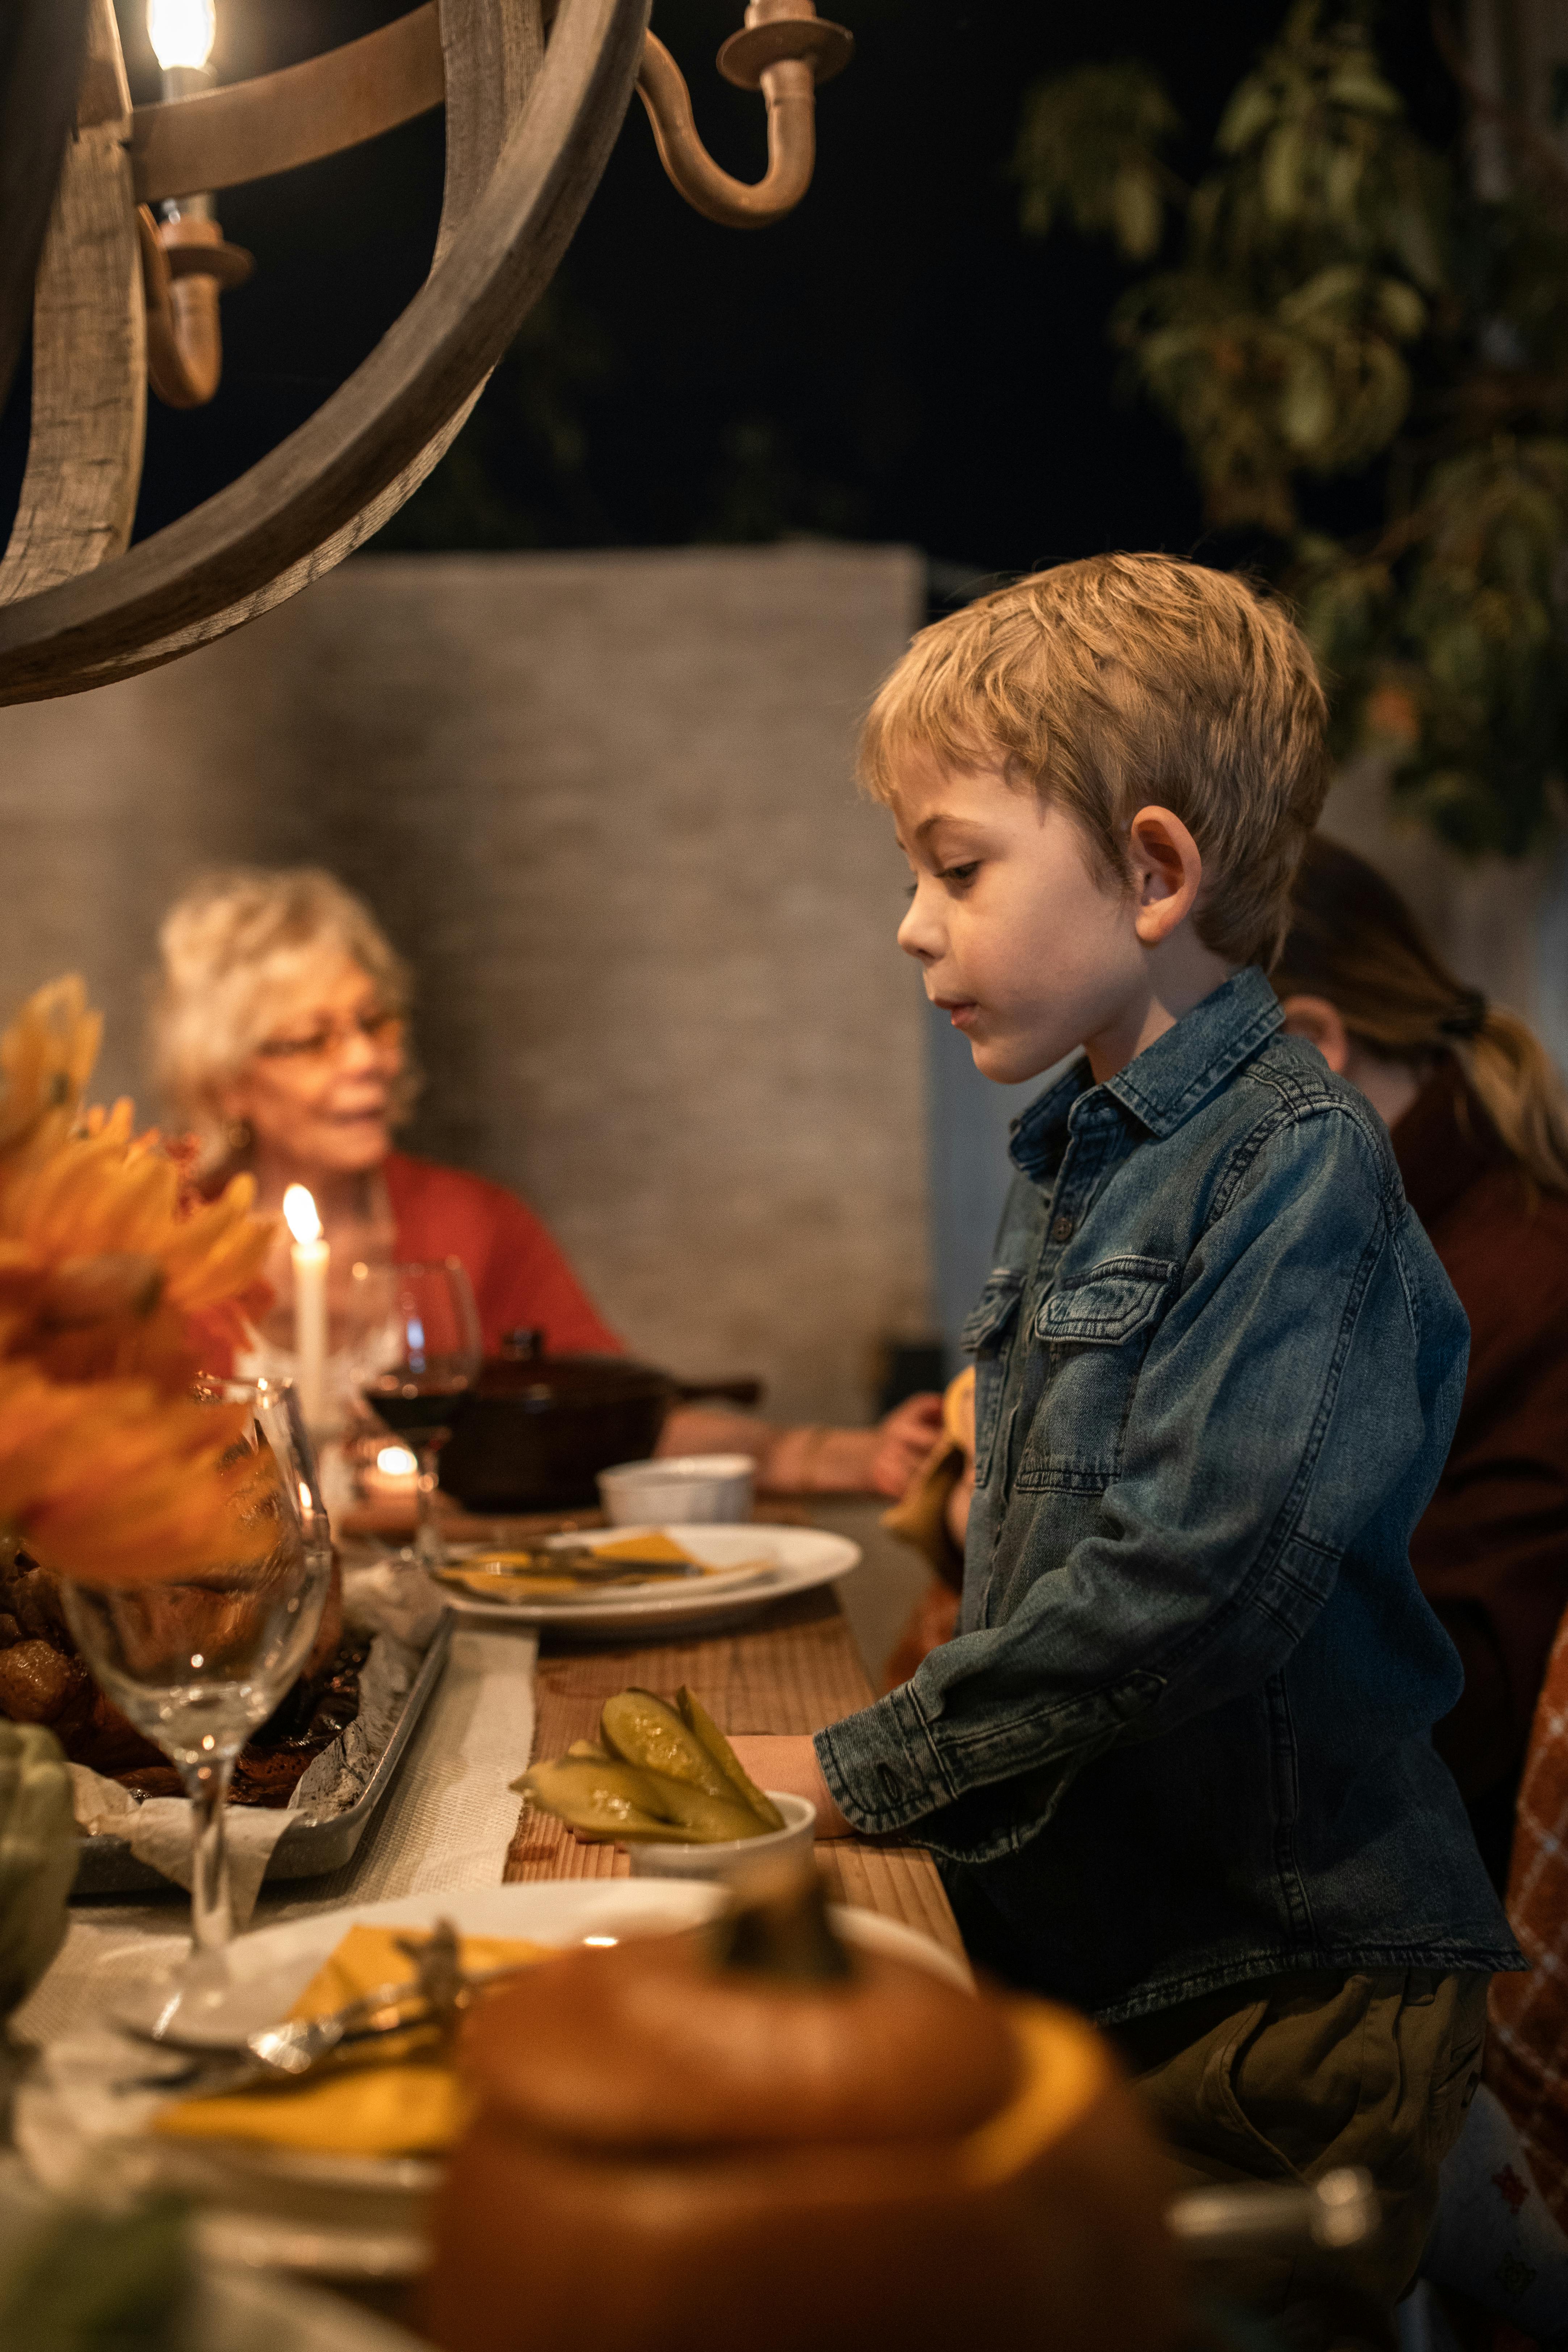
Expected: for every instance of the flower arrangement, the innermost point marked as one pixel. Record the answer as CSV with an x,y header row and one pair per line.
x,y
114,1278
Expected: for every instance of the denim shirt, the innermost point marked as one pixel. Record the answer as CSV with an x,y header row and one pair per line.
x,y
1182,1739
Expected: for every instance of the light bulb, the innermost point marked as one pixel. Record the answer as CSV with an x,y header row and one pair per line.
x,y
301,1215
182,31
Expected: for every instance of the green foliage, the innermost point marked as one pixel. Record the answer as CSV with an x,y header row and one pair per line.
x,y
91,2282
1331,297
1089,147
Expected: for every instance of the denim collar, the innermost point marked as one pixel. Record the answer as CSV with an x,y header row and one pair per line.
x,y
1164,1084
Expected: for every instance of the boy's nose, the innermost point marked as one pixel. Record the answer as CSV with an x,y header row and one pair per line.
x,y
917,934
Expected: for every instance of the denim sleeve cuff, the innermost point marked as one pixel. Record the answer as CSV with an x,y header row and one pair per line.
x,y
882,1765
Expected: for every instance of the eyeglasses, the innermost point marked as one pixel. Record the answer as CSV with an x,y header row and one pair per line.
x,y
378,1029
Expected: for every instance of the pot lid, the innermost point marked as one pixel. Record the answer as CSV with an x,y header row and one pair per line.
x,y
522,1371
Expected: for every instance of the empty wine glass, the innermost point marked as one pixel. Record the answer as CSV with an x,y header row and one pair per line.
x,y
200,1662
420,1367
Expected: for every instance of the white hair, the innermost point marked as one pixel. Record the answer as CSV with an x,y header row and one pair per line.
x,y
231,947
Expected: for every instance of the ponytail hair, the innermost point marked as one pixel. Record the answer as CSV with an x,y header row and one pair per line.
x,y
1354,941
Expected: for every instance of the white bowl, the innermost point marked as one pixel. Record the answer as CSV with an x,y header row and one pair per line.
x,y
710,1488
730,1855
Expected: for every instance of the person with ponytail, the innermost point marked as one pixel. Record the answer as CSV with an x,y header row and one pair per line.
x,y
1479,1126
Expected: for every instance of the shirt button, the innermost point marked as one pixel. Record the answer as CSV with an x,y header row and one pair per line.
x,y
1062,1230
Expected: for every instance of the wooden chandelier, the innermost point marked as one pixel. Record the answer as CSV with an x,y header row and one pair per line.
x,y
534,99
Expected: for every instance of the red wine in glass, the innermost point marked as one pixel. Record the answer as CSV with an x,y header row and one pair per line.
x,y
428,1351
408,1406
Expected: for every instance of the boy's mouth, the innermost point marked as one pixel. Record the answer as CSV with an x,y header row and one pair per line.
x,y
960,1010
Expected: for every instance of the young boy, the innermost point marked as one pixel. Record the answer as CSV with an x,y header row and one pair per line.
x,y
1176,1764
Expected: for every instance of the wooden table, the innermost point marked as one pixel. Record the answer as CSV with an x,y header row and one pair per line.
x,y
794,1667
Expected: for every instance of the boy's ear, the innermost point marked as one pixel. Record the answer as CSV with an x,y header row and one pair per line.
x,y
1167,873
1314,1018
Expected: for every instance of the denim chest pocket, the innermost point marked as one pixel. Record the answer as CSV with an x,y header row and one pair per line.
x,y
985,1336
1093,1336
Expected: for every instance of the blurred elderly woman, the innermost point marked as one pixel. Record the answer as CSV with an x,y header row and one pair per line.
x,y
279,1039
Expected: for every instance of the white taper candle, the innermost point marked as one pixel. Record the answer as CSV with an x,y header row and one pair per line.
x,y
312,1255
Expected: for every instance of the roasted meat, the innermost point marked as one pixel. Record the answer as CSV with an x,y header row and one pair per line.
x,y
44,1680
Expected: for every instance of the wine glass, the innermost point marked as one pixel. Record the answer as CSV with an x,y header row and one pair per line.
x,y
428,1354
200,1662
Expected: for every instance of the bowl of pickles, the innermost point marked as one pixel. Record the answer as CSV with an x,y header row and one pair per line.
x,y
662,1780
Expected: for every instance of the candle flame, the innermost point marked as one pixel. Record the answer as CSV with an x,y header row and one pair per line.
x,y
397,1462
182,31
299,1214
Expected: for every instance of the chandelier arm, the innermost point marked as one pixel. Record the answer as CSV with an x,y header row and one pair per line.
x,y
248,130
789,86
185,263
321,492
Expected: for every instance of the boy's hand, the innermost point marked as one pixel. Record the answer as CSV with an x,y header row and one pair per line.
x,y
790,1764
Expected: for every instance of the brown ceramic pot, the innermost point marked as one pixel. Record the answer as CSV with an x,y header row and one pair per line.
x,y
535,1430
669,2155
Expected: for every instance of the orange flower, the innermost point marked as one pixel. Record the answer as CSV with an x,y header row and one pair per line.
x,y
109,1472
47,1055
104,1255
109,1481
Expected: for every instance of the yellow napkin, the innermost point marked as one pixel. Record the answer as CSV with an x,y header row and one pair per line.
x,y
658,1553
656,1550
413,2109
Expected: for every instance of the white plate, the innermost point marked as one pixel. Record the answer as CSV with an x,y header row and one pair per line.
x,y
800,1557
270,1968
344,2216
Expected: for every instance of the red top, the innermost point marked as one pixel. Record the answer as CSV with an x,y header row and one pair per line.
x,y
1491,1551
520,1276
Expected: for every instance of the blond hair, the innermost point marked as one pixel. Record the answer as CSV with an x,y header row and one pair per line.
x,y
1354,941
234,947
1122,680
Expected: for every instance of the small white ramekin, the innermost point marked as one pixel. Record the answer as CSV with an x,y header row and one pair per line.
x,y
682,1488
732,1854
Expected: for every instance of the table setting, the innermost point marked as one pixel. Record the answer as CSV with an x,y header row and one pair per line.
x,y
393,1946
276,1736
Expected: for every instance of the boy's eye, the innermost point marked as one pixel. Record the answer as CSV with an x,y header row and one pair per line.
x,y
961,875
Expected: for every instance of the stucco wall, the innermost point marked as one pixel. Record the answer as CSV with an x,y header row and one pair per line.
x,y
603,803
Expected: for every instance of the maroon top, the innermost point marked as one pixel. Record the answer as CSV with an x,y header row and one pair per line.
x,y
1491,1553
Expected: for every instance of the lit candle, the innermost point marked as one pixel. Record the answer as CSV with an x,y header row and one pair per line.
x,y
392,1477
311,1257
181,33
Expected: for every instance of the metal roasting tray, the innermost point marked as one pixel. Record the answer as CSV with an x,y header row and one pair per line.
x,y
306,1849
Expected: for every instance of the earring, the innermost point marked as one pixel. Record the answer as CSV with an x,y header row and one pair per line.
x,y
238,1136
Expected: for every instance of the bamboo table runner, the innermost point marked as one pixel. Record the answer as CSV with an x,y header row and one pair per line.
x,y
794,1668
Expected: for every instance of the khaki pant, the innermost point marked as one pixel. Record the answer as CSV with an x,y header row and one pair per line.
x,y
1283,2080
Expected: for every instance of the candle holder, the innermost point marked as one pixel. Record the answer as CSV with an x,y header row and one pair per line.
x,y
784,49
186,262
186,266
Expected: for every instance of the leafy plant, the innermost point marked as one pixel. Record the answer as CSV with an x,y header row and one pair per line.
x,y
1333,297
102,2281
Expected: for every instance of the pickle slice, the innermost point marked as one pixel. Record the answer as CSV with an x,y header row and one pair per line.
x,y
646,1730
600,1799
603,1797
701,1725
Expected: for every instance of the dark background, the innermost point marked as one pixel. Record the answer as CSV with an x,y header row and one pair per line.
x,y
896,362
